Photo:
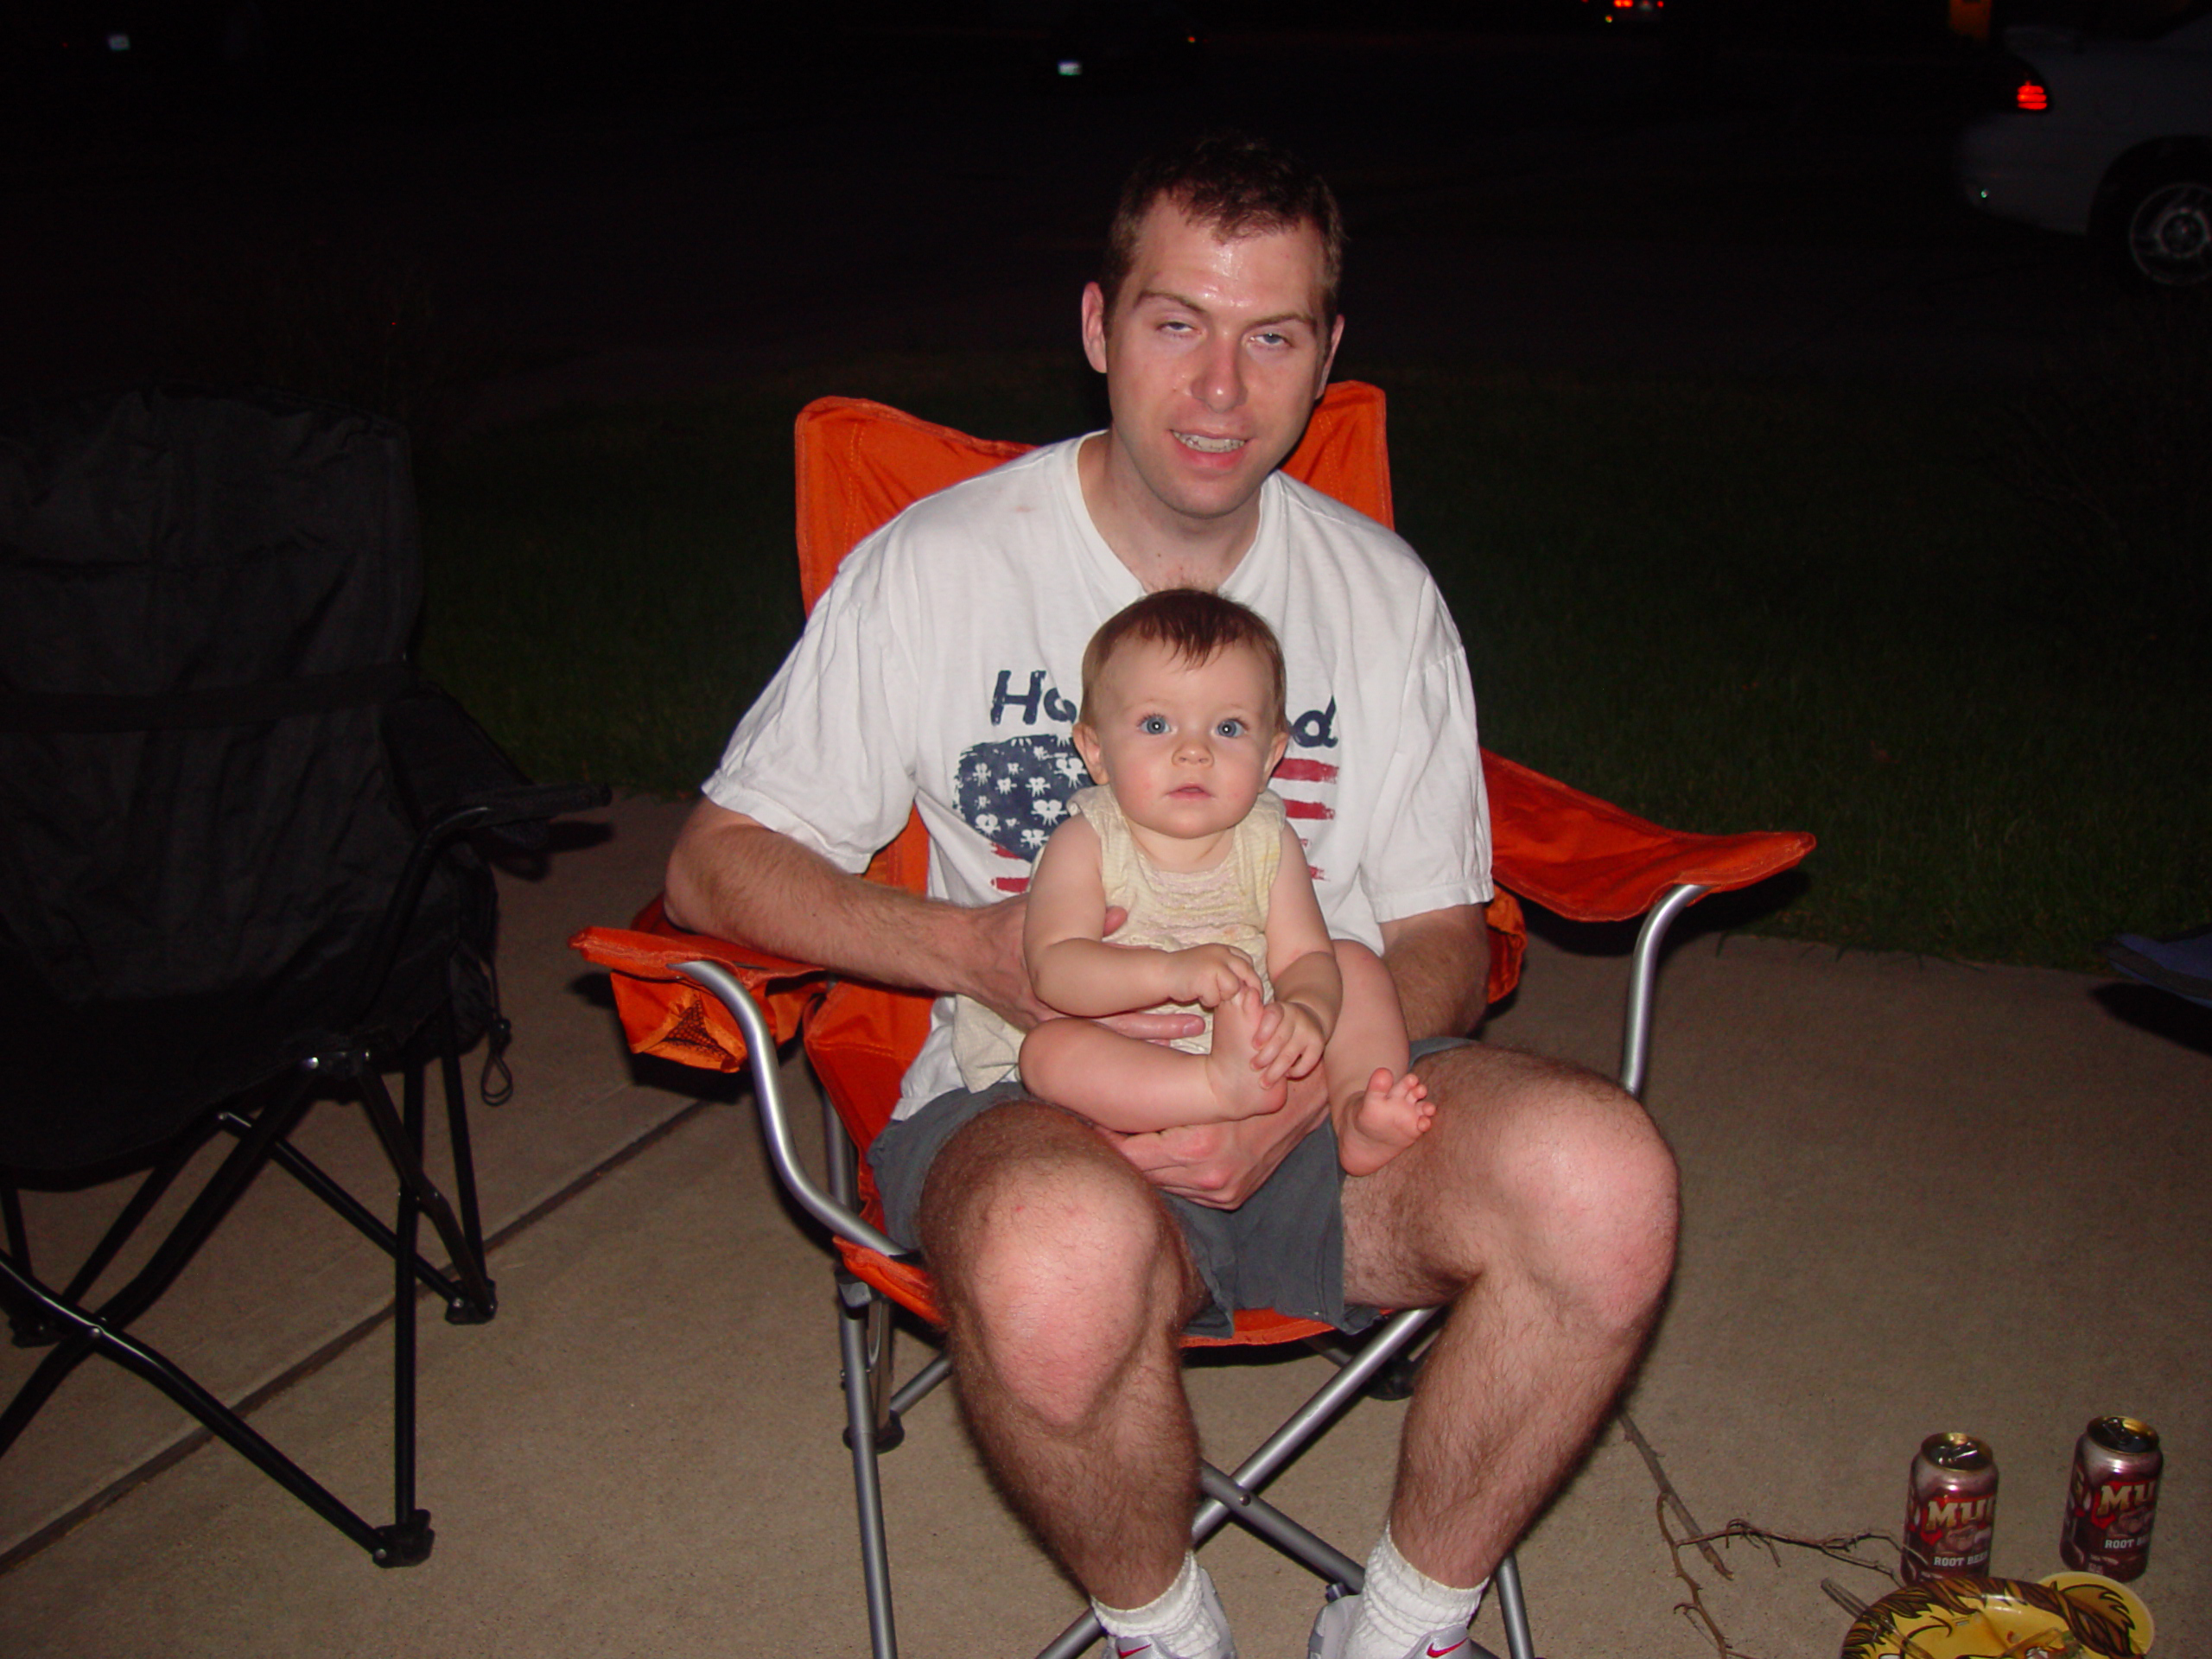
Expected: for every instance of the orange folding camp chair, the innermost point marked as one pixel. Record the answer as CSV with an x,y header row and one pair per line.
x,y
708,1002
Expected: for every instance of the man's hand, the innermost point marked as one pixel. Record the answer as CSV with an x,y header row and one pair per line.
x,y
997,976
1221,1164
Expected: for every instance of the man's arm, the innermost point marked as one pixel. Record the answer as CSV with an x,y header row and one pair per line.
x,y
731,876
1440,960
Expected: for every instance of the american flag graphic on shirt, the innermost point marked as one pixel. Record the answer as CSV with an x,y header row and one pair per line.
x,y
1014,791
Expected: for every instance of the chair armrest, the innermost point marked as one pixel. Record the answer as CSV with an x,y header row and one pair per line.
x,y
667,1014
453,779
748,1011
450,780
1590,861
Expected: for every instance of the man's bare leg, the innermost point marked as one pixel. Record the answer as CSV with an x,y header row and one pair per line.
x,y
1065,1285
1541,1205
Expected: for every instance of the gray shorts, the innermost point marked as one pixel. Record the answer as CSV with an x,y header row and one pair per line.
x,y
1283,1248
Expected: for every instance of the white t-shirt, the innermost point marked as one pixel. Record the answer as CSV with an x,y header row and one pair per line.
x,y
941,669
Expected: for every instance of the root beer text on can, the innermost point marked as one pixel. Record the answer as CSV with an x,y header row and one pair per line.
x,y
1950,1510
2112,1498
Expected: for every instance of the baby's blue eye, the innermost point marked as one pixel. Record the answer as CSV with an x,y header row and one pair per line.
x,y
1153,725
1232,727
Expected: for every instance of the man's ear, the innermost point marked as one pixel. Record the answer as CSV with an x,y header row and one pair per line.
x,y
1329,357
1093,753
1094,326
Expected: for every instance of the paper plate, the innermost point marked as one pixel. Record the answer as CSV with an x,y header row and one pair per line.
x,y
2068,1616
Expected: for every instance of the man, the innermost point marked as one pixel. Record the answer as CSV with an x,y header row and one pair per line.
x,y
1541,1204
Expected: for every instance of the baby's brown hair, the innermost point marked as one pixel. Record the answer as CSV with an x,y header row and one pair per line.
x,y
1197,626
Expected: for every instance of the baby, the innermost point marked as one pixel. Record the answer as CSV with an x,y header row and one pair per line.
x,y
1182,724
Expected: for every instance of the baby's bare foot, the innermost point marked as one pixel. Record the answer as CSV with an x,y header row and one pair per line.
x,y
1237,1085
1393,1114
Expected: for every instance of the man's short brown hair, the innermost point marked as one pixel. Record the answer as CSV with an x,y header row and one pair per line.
x,y
1237,185
1197,626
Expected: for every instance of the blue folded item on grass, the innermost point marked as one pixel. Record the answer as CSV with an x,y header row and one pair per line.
x,y
2182,965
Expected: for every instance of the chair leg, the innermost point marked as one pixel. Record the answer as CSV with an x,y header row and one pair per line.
x,y
87,1335
882,1334
352,1211
82,1333
457,1135
1254,1512
1513,1611
259,1139
853,1301
1398,1375
411,1522
28,1325
1231,1496
125,1225
479,1300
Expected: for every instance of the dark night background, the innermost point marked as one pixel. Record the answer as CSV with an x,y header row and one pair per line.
x,y
541,205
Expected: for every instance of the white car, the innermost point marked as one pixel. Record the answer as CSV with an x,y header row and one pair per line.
x,y
2107,137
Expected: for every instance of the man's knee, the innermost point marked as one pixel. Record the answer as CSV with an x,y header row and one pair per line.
x,y
1568,1180
1057,1262
1600,1185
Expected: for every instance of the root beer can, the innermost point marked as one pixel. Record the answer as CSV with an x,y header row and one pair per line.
x,y
1950,1509
2112,1498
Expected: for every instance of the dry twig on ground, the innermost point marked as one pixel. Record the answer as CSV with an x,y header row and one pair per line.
x,y
1840,1547
1669,1498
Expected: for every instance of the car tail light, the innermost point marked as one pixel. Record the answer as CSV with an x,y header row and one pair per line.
x,y
2031,94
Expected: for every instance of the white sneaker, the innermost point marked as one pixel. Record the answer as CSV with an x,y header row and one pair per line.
x,y
1333,1636
1143,1647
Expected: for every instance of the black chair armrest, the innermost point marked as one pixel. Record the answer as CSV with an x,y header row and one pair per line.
x,y
455,780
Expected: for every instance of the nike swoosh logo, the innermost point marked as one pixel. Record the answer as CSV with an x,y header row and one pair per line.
x,y
1124,1653
1435,1652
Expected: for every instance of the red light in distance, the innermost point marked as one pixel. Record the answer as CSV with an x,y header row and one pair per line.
x,y
2032,96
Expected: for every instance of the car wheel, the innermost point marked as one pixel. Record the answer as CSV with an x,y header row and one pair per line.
x,y
2164,229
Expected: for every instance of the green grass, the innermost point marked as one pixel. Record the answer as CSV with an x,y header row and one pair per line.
x,y
1729,608
1723,606
608,590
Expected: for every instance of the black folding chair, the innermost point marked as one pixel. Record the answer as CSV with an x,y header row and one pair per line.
x,y
238,863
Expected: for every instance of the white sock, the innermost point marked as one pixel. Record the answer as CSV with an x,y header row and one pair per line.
x,y
1181,1620
1401,1605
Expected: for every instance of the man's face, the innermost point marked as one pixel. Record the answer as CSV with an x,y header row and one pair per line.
x,y
1214,355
